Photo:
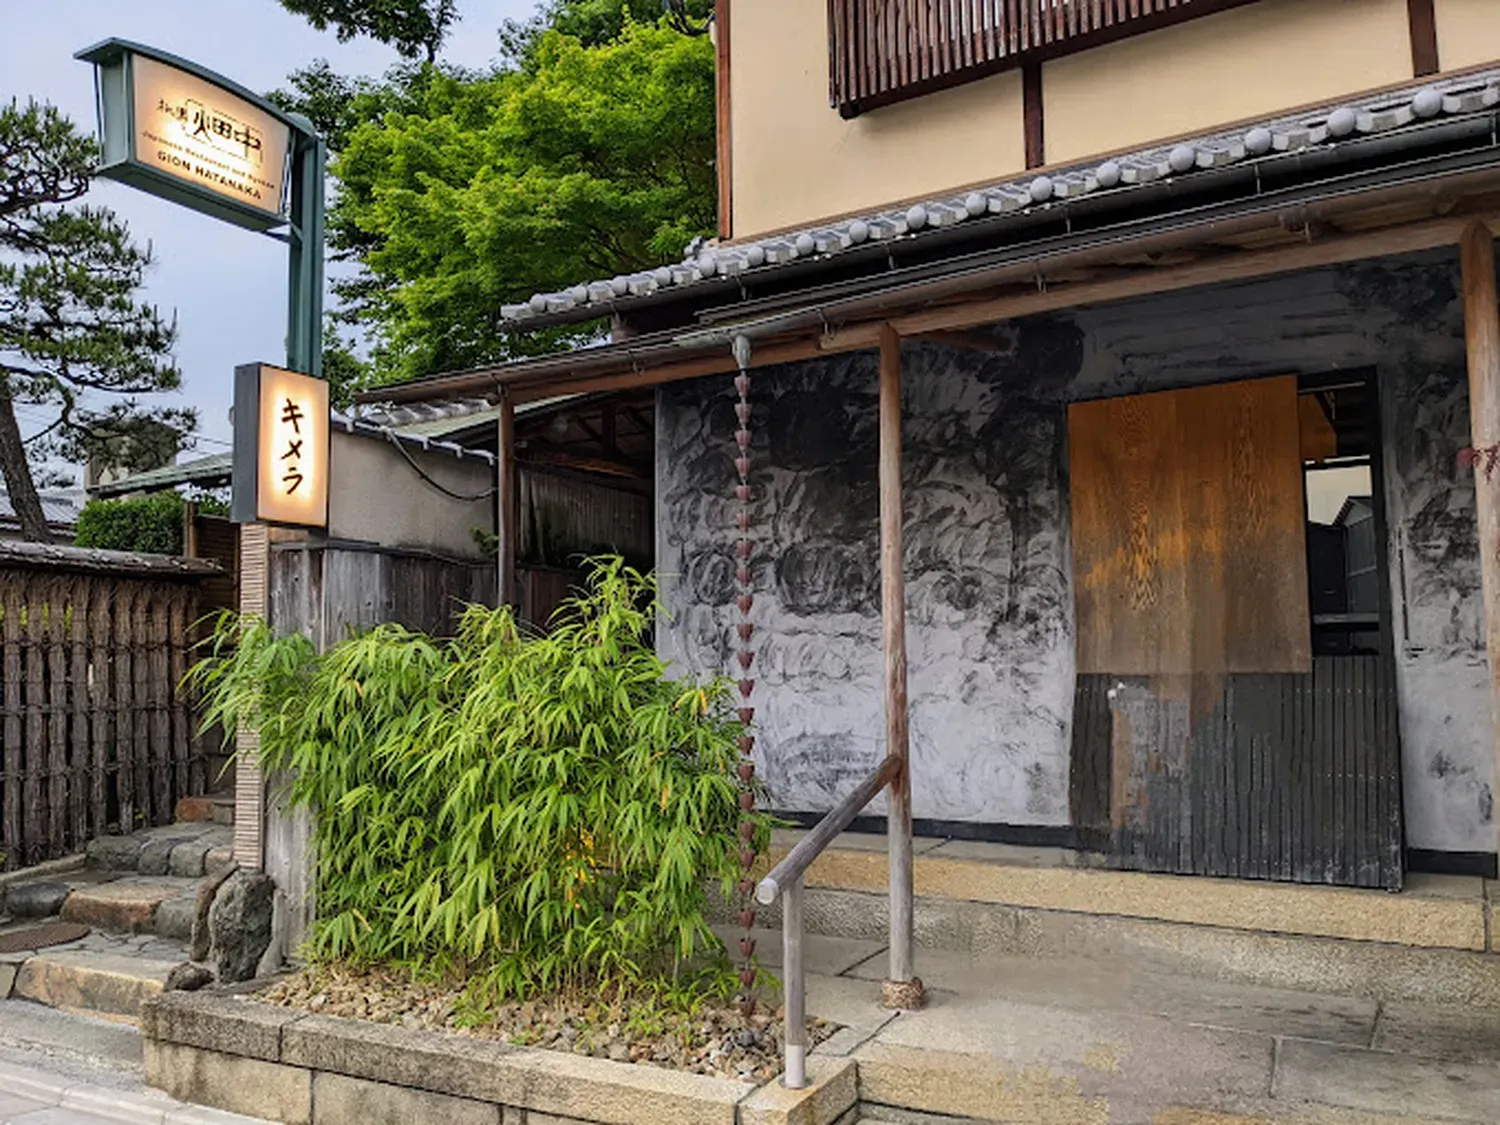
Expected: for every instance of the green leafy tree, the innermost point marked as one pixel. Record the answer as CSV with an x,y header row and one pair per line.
x,y
588,162
415,28
71,323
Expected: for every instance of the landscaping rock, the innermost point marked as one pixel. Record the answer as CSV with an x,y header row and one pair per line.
x,y
239,925
156,854
35,900
174,918
115,853
188,858
199,939
188,977
219,861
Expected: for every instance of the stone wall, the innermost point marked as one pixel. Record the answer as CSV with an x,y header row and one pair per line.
x,y
988,559
231,1053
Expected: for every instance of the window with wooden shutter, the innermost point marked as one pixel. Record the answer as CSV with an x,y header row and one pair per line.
x,y
883,51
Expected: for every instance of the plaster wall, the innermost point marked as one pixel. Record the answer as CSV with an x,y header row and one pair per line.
x,y
376,497
796,161
1250,62
1468,32
988,557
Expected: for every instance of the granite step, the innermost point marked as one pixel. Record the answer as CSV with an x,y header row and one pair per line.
x,y
102,974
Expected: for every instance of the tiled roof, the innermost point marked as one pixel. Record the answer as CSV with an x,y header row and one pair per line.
x,y
60,508
1284,136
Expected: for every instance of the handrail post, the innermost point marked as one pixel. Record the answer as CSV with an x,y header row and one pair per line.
x,y
795,982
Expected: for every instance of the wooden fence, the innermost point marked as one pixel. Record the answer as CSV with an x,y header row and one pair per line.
x,y
94,736
881,51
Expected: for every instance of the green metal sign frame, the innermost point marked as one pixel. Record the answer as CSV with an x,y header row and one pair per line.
x,y
114,87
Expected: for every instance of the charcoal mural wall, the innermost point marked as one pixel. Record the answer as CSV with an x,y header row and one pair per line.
x,y
990,611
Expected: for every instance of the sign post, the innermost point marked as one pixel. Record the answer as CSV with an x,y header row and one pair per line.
x,y
179,131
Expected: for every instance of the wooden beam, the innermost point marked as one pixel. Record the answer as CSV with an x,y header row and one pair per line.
x,y
971,341
505,501
1482,340
902,989
1424,43
1217,270
766,355
605,466
724,161
1033,115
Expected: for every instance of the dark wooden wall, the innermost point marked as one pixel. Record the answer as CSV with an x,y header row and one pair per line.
x,y
95,736
329,590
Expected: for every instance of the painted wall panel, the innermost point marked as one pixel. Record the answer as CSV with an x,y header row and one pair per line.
x,y
1468,32
988,555
1253,61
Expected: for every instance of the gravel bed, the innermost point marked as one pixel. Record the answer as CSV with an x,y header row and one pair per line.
x,y
716,1041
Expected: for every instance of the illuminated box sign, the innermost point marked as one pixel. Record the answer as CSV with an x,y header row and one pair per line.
x,y
170,127
281,424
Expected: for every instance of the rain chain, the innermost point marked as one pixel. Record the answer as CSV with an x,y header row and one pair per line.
x,y
746,658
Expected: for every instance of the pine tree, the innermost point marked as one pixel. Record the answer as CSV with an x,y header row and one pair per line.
x,y
71,322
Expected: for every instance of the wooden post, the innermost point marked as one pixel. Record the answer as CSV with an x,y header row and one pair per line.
x,y
902,990
1482,336
505,500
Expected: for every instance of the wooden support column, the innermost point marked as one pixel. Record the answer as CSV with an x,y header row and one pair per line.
x,y
902,989
505,501
1482,337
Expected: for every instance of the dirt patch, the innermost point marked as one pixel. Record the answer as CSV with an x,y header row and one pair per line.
x,y
716,1041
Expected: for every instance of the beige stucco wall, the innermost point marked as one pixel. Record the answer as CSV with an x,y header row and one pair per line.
x,y
1246,62
797,161
375,497
1468,32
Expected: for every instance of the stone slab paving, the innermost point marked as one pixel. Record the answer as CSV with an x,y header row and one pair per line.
x,y
103,972
1011,1039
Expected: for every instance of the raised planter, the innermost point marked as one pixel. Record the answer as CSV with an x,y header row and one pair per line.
x,y
233,1053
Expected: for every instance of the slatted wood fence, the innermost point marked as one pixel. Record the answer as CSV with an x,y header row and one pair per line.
x,y
94,736
881,51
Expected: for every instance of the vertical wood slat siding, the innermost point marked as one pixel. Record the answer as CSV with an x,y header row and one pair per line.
x,y
1282,776
95,736
881,51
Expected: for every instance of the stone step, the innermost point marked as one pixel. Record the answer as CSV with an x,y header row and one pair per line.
x,y
187,850
102,974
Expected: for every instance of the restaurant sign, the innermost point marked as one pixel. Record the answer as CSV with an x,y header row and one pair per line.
x,y
174,129
281,447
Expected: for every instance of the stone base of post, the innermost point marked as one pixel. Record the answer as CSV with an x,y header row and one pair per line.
x,y
903,995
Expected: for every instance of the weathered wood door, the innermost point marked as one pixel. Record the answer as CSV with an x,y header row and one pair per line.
x,y
1207,738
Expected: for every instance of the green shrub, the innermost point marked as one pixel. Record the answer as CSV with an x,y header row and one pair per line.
x,y
148,524
151,524
536,811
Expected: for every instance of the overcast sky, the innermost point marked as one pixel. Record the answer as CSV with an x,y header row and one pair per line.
x,y
226,285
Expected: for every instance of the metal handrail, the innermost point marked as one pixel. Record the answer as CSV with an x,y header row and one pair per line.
x,y
785,880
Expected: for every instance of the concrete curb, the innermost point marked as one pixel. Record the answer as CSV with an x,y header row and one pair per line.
x,y
148,1108
233,1053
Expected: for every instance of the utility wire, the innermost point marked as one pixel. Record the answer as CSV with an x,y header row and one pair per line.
x,y
421,472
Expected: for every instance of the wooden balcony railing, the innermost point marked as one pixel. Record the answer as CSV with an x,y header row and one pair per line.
x,y
883,51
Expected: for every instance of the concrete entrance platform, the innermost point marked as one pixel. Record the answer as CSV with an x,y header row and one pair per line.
x,y
1088,1042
